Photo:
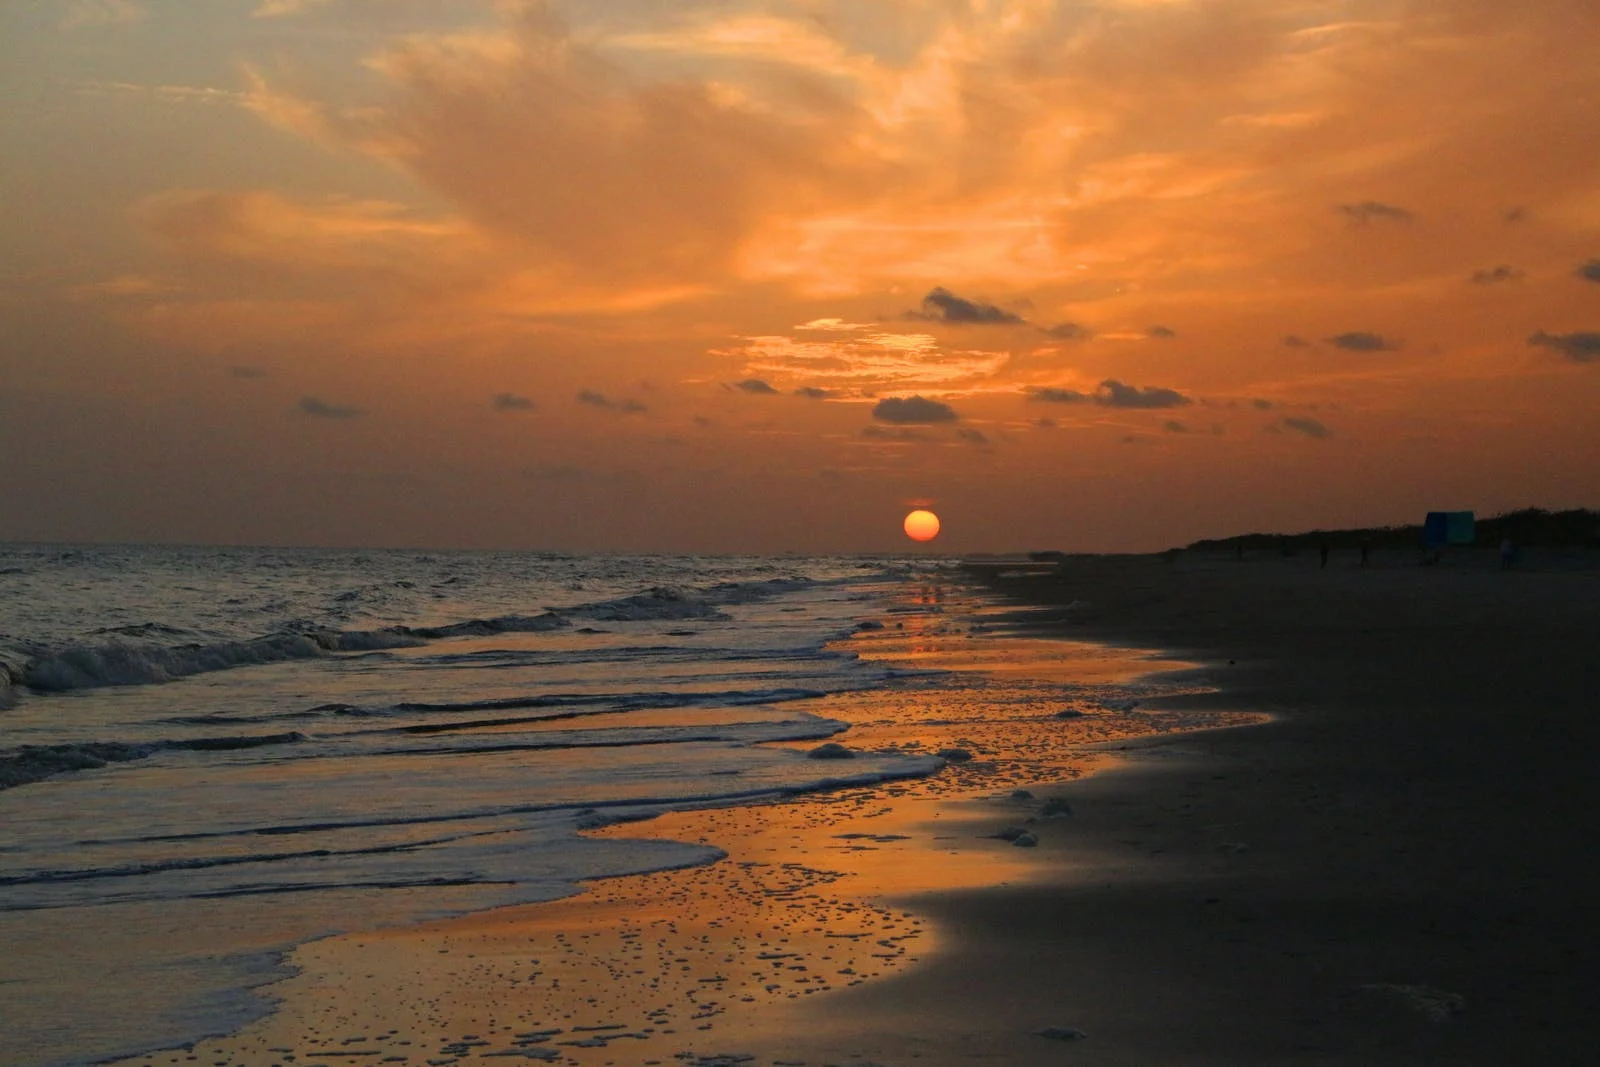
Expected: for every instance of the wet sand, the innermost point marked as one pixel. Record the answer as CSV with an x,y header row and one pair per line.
x,y
761,953
1398,868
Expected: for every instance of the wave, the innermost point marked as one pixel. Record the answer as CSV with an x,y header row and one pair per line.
x,y
455,827
730,698
119,662
660,603
134,654
562,705
124,662
34,763
501,624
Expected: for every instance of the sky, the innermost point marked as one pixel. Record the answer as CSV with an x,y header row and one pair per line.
x,y
737,276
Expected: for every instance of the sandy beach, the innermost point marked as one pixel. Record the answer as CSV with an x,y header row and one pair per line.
x,y
1395,869
1398,869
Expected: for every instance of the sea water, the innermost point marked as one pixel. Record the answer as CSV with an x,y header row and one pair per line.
x,y
209,756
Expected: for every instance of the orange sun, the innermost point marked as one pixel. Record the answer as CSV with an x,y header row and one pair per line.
x,y
922,525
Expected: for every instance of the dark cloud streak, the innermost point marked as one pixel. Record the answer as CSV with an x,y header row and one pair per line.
x,y
1114,394
1053,395
600,400
321,409
511,402
1069,331
1307,427
909,409
1581,346
941,305
1365,212
1362,341
1494,275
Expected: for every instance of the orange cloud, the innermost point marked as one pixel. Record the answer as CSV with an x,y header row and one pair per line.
x,y
873,362
605,201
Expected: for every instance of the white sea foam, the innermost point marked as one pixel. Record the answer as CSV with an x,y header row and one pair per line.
x,y
172,708
655,604
134,653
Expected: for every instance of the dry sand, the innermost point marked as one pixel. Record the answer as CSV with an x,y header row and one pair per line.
x,y
1397,869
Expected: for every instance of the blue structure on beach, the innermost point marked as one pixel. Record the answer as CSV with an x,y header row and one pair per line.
x,y
1442,528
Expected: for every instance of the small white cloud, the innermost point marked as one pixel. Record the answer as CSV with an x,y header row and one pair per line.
x,y
269,9
164,94
832,326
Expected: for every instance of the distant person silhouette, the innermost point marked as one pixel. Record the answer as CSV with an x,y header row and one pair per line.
x,y
1366,550
1508,554
1323,550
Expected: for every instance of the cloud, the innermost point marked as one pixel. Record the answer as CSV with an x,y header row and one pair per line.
x,y
1308,427
267,9
1174,426
166,94
1365,212
833,326
605,403
1583,346
1050,394
247,373
359,241
1161,333
766,38
1261,405
941,305
85,13
321,409
1294,341
882,361
511,402
601,166
1045,423
1070,331
755,385
1590,271
977,437
1362,341
1494,275
904,409
288,111
811,392
1114,394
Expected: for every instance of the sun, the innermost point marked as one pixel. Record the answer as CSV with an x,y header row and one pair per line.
x,y
922,525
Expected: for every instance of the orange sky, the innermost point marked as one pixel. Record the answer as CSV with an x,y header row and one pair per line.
x,y
738,276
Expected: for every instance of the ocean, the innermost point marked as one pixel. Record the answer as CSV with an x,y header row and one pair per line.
x,y
209,756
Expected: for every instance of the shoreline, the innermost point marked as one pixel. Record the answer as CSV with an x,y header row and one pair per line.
x,y
840,860
1389,870
1396,868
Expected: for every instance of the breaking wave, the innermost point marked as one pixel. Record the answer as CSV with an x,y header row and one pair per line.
x,y
131,654
33,763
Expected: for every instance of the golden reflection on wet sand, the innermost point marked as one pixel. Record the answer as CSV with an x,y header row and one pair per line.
x,y
680,966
